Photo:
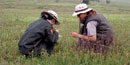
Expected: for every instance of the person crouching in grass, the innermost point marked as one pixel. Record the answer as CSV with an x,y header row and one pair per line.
x,y
96,34
40,35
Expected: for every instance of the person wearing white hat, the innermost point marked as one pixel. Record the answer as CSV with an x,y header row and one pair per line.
x,y
95,33
40,35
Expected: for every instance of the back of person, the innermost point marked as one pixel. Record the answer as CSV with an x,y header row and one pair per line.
x,y
104,33
104,30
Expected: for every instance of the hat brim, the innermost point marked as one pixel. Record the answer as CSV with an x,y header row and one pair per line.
x,y
56,21
76,13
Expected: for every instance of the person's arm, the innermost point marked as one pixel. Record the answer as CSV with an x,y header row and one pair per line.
x,y
91,32
88,38
52,35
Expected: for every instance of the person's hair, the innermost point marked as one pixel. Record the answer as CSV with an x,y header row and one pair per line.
x,y
46,16
90,11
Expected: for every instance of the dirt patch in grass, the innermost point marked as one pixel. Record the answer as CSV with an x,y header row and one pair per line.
x,y
3,23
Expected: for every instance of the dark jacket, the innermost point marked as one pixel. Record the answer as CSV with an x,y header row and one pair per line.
x,y
37,35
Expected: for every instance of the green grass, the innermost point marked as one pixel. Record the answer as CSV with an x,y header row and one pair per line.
x,y
16,15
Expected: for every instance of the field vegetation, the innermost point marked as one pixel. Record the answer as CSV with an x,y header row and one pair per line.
x,y
16,15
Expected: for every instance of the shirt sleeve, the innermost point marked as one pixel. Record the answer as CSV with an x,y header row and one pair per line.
x,y
91,28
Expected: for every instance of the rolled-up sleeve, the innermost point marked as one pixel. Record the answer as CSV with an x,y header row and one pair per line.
x,y
91,28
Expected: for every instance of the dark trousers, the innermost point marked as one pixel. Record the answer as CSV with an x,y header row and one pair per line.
x,y
100,46
37,50
49,49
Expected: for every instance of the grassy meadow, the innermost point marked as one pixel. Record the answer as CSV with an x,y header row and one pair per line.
x,y
16,15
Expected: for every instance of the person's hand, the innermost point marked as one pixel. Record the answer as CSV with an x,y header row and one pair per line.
x,y
74,34
57,31
52,31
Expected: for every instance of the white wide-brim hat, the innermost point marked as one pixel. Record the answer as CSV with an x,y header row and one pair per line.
x,y
52,14
81,8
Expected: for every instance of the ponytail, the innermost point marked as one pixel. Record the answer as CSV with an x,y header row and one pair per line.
x,y
46,16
